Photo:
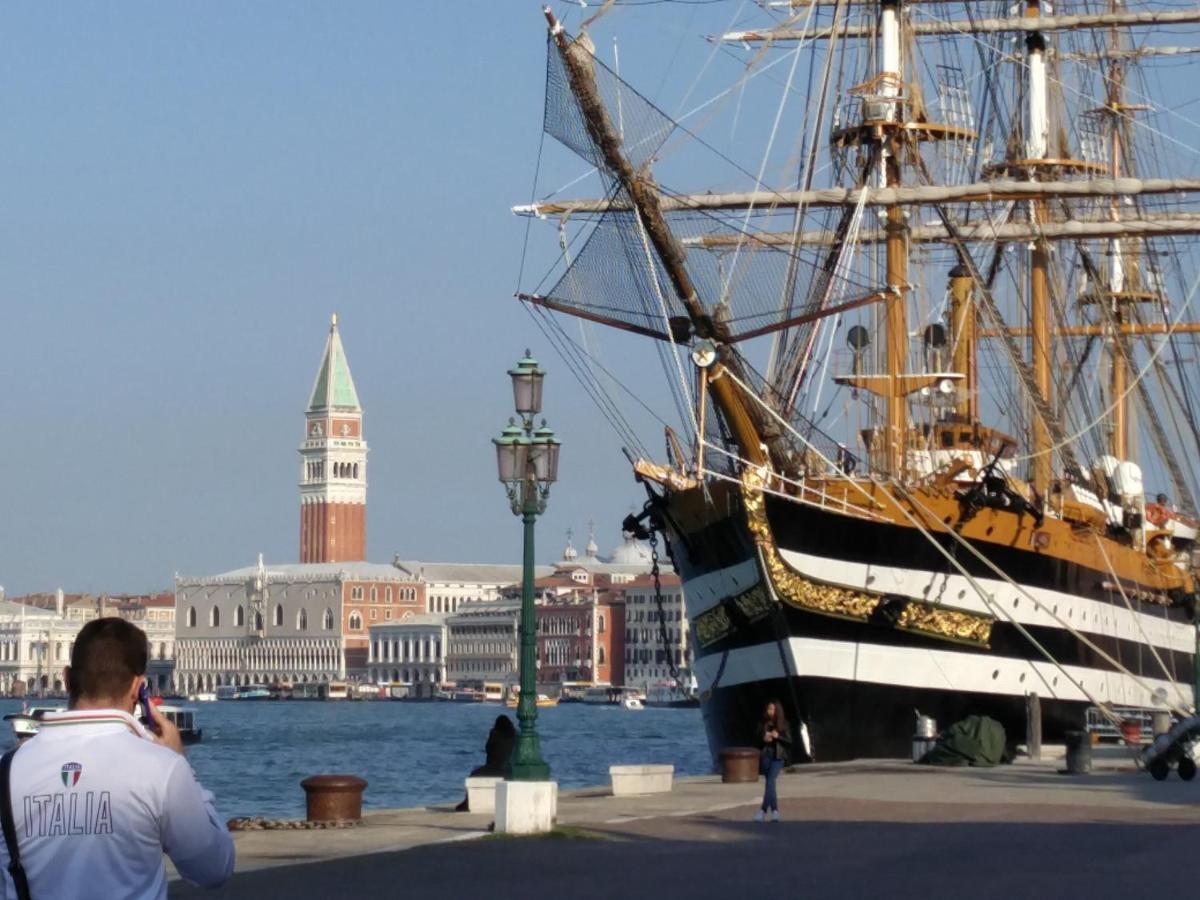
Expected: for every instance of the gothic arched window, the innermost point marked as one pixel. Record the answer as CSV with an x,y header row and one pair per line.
x,y
191,617
239,616
302,620
327,620
214,617
258,622
356,621
278,615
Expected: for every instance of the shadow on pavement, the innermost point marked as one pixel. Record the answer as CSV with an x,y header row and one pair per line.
x,y
711,857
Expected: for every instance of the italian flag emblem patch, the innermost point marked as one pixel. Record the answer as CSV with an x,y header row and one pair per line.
x,y
70,774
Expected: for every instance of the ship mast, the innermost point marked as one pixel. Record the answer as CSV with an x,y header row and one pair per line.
x,y
1116,295
964,336
1037,145
646,198
895,306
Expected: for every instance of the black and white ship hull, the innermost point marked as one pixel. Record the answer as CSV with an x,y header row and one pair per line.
x,y
858,684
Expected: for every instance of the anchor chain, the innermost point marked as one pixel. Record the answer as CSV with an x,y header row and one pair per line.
x,y
663,634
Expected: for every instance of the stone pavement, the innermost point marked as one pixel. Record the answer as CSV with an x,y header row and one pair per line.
x,y
889,828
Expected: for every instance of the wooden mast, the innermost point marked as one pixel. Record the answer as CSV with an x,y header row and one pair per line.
x,y
1041,349
645,196
897,332
1119,444
963,339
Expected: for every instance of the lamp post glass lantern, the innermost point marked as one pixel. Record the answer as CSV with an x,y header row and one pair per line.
x,y
527,464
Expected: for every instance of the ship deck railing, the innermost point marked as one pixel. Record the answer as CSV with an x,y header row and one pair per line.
x,y
811,496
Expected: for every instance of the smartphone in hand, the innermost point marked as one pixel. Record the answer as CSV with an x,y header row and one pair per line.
x,y
144,702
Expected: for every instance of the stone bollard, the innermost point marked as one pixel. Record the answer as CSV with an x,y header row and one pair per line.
x,y
739,765
333,798
1079,753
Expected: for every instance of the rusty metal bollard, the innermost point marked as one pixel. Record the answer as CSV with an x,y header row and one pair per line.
x,y
739,765
333,798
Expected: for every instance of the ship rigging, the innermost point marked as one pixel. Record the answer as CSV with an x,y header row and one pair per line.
x,y
1008,248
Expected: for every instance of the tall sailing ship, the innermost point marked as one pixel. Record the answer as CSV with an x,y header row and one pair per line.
x,y
927,375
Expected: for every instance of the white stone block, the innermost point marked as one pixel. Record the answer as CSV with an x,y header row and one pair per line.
x,y
627,780
481,794
526,807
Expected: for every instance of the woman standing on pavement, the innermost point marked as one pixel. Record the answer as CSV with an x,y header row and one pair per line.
x,y
775,738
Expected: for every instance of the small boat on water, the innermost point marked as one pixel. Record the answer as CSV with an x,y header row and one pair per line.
x,y
320,690
610,695
183,718
543,701
370,692
632,702
25,724
202,697
672,696
243,692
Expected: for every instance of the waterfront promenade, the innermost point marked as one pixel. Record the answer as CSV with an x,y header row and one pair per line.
x,y
887,829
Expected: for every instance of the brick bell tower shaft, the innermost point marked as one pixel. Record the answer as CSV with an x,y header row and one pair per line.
x,y
333,464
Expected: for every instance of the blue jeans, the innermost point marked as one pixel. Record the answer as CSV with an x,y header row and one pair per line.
x,y
771,768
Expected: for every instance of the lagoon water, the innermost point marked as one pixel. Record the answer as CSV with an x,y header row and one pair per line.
x,y
254,754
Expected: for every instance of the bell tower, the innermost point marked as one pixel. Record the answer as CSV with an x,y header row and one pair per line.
x,y
333,464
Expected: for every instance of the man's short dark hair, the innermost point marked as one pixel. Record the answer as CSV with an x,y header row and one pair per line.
x,y
107,655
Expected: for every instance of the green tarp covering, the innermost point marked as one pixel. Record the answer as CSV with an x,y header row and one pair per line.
x,y
974,741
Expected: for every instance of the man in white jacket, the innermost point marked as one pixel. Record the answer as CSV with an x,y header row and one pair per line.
x,y
97,798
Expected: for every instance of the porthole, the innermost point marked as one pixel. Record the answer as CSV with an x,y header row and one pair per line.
x,y
962,593
1016,602
990,529
995,674
1022,676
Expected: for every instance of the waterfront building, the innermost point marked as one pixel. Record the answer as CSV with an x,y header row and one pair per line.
x,y
449,584
580,628
36,642
153,613
333,464
647,660
482,642
291,623
410,651
80,608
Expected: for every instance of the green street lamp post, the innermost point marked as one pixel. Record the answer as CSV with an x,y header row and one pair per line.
x,y
527,462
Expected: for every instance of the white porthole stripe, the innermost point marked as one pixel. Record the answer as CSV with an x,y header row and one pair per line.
x,y
1093,617
938,670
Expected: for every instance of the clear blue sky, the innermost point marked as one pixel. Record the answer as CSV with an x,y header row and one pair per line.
x,y
189,191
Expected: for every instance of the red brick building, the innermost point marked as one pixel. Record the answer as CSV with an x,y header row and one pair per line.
x,y
580,629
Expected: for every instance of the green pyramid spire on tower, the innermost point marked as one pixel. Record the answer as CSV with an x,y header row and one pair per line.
x,y
334,387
